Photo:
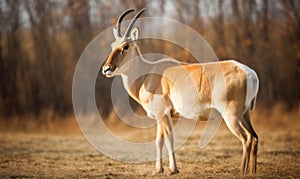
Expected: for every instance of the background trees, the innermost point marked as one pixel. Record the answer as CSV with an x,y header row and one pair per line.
x,y
41,41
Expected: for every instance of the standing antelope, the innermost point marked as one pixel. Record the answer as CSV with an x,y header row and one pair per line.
x,y
190,90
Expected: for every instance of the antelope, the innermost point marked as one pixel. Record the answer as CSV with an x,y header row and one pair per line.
x,y
189,90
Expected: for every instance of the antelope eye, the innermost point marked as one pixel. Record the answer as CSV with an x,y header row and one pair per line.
x,y
126,47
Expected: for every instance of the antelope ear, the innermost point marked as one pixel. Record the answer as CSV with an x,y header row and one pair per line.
x,y
134,34
115,32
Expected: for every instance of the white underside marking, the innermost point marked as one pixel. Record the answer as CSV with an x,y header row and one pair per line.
x,y
125,82
157,106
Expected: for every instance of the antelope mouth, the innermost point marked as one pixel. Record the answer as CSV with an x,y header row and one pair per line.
x,y
109,71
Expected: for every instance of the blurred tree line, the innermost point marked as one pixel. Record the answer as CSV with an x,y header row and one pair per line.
x,y
41,41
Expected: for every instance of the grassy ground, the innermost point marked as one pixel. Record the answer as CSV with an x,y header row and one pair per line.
x,y
60,155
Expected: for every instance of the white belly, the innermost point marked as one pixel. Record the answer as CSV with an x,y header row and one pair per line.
x,y
187,103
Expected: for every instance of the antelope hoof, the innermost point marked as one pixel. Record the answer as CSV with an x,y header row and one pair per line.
x,y
172,171
252,172
158,171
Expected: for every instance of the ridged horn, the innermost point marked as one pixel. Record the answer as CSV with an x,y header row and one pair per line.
x,y
121,17
133,22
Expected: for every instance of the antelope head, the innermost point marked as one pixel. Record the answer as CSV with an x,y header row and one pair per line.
x,y
123,45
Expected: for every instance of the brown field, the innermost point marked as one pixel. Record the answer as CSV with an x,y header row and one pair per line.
x,y
50,152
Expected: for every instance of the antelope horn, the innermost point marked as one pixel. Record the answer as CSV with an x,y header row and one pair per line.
x,y
120,21
133,22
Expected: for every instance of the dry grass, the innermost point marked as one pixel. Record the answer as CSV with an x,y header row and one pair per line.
x,y
59,150
48,124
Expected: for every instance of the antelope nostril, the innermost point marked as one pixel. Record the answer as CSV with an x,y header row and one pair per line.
x,y
107,68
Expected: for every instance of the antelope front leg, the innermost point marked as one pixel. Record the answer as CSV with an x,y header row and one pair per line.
x,y
169,142
159,145
165,135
